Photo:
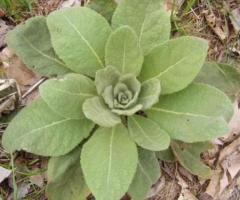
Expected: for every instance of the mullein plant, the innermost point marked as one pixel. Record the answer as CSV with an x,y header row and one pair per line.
x,y
122,97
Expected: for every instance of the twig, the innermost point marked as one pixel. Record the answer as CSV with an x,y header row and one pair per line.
x,y
31,89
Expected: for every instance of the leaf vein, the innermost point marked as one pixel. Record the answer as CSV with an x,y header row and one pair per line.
x,y
41,53
85,41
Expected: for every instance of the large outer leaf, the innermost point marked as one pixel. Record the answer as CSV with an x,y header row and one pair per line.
x,y
123,51
189,157
78,37
34,47
65,178
224,77
147,18
37,129
175,63
109,161
149,95
147,133
194,114
148,171
95,110
66,96
104,7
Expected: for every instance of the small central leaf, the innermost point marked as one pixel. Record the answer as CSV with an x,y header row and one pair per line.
x,y
119,91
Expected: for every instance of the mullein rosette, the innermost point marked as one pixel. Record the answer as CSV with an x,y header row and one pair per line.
x,y
124,94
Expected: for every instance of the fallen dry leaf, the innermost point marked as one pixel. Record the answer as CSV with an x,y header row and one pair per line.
x,y
4,173
70,3
185,193
37,180
214,185
10,95
216,25
23,190
15,69
235,19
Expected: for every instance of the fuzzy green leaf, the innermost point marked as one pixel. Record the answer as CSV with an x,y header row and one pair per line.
x,y
175,68
189,157
132,83
148,171
128,111
34,47
147,133
95,110
109,162
198,113
39,130
79,36
149,95
166,155
133,86
65,178
224,77
103,7
108,76
66,96
148,18
123,51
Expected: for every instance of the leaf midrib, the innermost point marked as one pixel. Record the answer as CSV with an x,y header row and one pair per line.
x,y
143,24
110,158
85,41
43,54
46,126
145,172
143,132
178,113
73,93
170,67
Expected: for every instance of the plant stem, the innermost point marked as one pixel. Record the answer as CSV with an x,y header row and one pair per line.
x,y
13,178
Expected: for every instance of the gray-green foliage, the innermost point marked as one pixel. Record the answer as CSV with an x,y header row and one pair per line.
x,y
223,76
127,93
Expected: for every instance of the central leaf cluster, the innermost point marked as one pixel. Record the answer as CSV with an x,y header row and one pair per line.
x,y
121,91
119,94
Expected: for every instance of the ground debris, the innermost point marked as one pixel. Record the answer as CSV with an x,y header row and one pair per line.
x,y
4,28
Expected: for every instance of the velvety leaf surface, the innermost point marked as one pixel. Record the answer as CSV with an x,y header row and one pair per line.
x,y
148,171
174,67
189,157
129,111
73,33
109,161
148,18
66,96
199,99
65,178
149,95
123,51
194,114
166,155
224,77
108,76
95,110
103,7
39,130
34,47
147,133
